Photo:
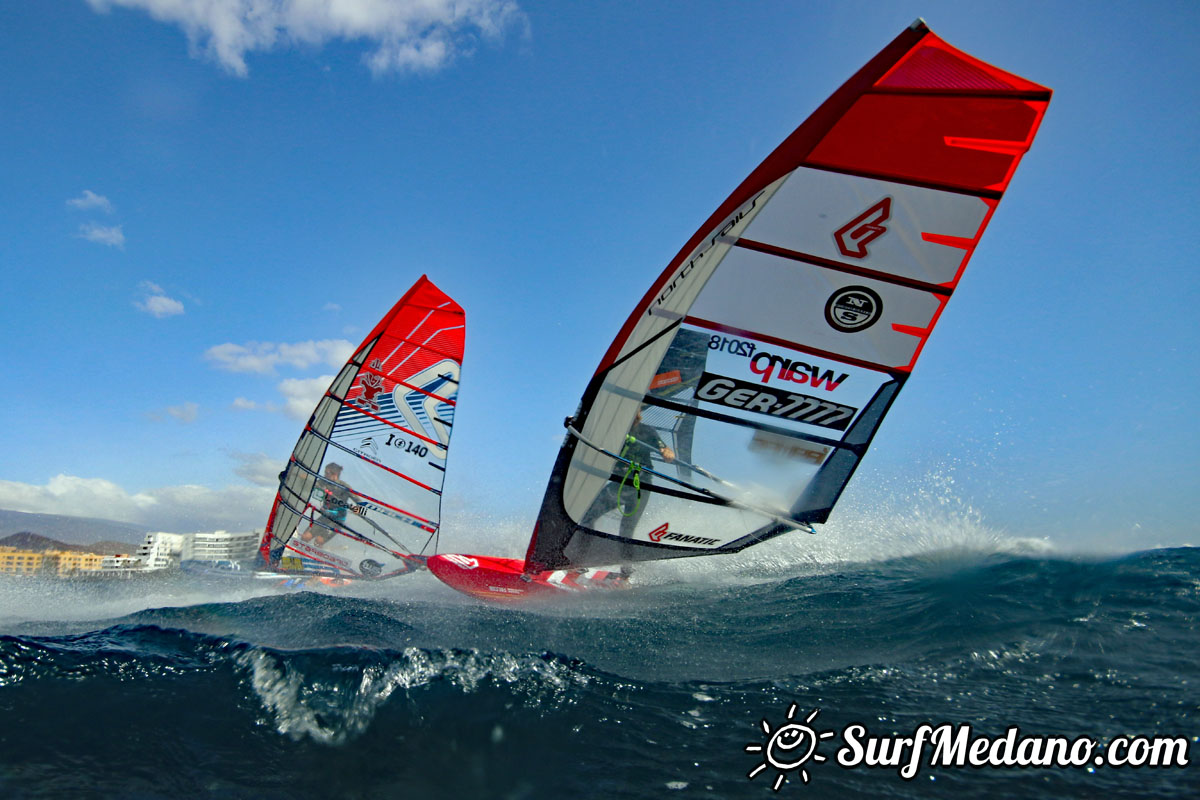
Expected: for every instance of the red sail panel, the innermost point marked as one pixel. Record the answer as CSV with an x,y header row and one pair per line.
x,y
970,143
934,64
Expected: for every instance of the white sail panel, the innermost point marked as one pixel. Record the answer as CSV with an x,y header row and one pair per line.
x,y
922,234
876,321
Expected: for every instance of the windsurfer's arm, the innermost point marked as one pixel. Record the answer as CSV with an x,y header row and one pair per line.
x,y
664,450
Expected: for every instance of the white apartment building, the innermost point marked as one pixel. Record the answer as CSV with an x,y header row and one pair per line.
x,y
220,546
161,550
120,563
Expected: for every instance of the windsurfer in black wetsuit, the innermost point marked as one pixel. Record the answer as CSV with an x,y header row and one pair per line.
x,y
335,502
624,488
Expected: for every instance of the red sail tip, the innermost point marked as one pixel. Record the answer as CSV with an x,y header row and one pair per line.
x,y
934,64
425,293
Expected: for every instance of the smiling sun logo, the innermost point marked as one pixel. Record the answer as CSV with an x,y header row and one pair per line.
x,y
788,747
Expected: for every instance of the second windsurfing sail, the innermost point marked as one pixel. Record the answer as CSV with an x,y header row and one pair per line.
x,y
361,494
742,392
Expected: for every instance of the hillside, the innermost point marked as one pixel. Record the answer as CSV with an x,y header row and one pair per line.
x,y
25,540
72,530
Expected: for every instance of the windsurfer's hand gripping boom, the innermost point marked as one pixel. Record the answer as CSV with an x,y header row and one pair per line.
x,y
779,515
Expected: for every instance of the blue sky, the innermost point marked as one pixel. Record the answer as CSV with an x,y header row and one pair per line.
x,y
202,215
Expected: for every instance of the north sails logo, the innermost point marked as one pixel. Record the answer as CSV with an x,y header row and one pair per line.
x,y
853,308
853,237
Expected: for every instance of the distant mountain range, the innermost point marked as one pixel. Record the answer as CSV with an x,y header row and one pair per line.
x,y
40,544
72,530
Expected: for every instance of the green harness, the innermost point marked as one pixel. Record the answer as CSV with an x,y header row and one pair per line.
x,y
634,469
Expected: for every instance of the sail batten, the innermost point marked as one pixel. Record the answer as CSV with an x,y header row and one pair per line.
x,y
851,269
757,368
348,451
352,410
406,515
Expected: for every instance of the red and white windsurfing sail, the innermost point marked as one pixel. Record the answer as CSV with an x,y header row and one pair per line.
x,y
746,386
361,494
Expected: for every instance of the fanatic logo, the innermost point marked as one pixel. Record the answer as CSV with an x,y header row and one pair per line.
x,y
663,532
853,237
789,747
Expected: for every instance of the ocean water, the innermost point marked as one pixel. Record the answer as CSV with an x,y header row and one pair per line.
x,y
175,688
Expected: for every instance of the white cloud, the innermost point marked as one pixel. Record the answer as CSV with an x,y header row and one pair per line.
x,y
334,307
302,395
172,508
408,35
102,234
258,468
161,306
184,413
89,200
264,357
156,301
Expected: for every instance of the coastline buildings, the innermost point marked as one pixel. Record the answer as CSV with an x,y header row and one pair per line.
x,y
71,562
120,564
20,562
159,552
171,550
220,546
16,561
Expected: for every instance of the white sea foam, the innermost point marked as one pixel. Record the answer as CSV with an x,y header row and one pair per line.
x,y
339,704
925,519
